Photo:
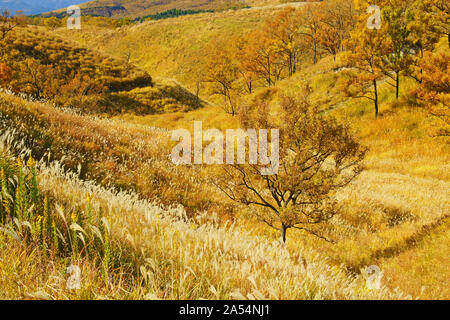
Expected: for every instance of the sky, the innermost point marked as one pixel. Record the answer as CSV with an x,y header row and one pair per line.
x,y
36,6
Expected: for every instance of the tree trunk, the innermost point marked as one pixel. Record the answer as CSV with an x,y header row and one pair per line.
x,y
283,234
315,50
293,64
397,84
375,100
197,93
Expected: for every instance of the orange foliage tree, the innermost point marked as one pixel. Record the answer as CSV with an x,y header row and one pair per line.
x,y
221,71
5,75
310,20
337,20
36,79
434,89
283,33
317,157
399,57
369,46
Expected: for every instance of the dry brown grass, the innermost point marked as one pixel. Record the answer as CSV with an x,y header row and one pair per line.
x,y
395,215
175,257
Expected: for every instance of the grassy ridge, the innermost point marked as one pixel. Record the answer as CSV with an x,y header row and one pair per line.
x,y
133,8
118,85
170,48
110,152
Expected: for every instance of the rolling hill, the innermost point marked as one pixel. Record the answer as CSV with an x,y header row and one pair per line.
x,y
112,85
99,189
387,191
35,7
140,8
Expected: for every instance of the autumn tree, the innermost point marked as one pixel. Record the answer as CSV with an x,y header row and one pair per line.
x,y
263,57
283,34
310,19
317,157
221,71
434,89
246,68
195,72
337,20
52,23
8,23
81,85
368,48
36,79
432,21
399,58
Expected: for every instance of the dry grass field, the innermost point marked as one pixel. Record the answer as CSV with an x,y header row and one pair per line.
x,y
97,189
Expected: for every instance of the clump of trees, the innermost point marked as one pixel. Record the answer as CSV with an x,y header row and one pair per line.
x,y
52,23
235,66
434,88
171,13
396,49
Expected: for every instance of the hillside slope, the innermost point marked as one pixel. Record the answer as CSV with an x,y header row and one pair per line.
x,y
173,233
86,79
170,48
141,236
396,210
136,8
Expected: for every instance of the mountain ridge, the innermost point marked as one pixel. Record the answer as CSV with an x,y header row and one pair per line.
x,y
134,8
36,7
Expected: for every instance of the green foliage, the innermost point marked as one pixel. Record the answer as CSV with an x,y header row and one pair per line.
x,y
27,214
172,13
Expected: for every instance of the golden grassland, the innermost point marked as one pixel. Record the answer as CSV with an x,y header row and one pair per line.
x,y
389,212
160,253
396,204
394,215
423,267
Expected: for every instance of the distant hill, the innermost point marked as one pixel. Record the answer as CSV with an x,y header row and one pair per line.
x,y
112,85
139,8
36,7
115,11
